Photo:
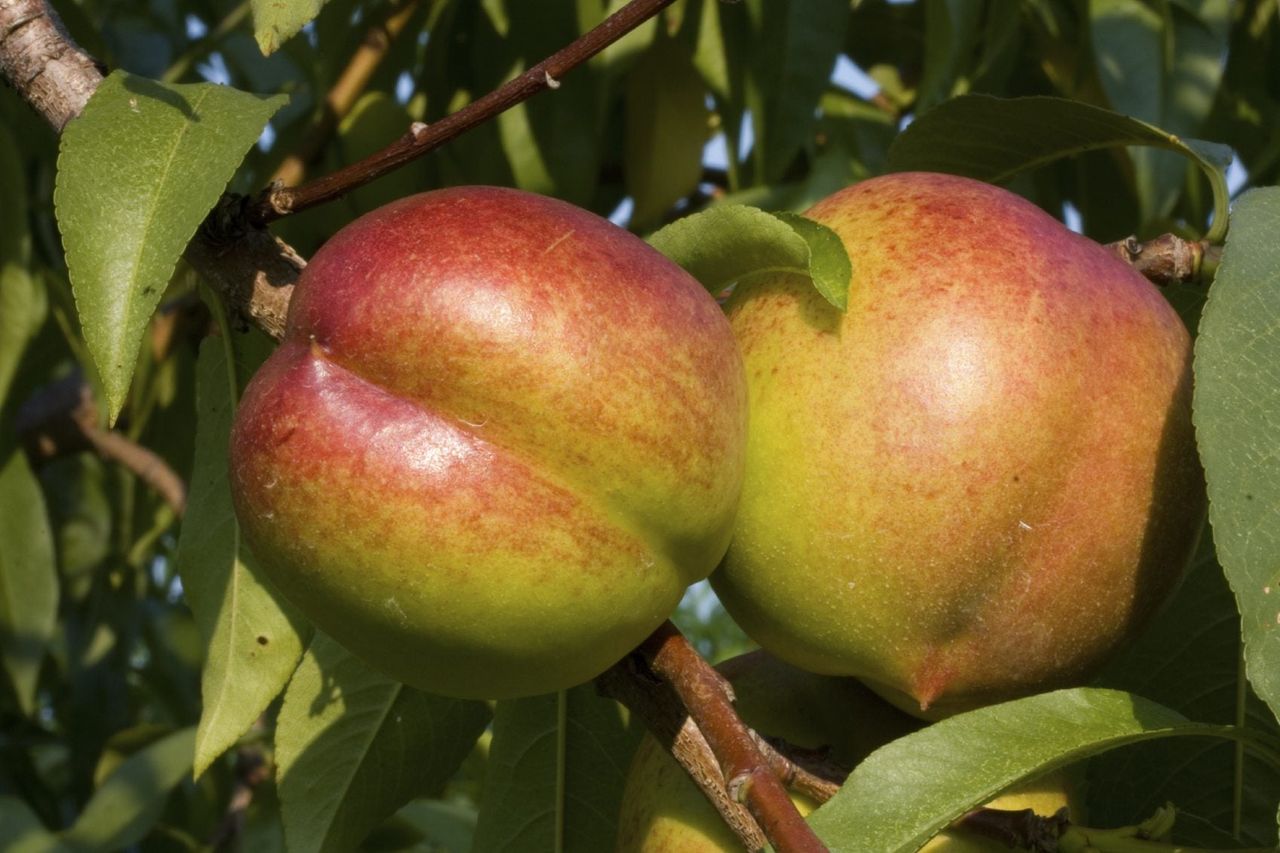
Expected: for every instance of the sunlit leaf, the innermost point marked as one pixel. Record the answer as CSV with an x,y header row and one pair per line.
x,y
907,791
128,200
728,243
1237,417
1162,65
253,638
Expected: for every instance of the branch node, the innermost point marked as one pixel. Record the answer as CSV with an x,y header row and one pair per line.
x,y
1167,259
739,787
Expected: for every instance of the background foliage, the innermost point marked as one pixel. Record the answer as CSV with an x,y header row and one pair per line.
x,y
137,646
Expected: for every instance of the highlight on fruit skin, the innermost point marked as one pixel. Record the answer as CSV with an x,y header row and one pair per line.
x,y
980,480
664,812
499,440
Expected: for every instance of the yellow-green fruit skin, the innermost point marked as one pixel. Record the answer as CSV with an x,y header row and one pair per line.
x,y
664,812
980,480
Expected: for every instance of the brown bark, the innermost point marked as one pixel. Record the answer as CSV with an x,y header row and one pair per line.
x,y
38,59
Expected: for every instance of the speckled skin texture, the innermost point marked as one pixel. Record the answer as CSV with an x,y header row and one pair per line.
x,y
980,480
500,438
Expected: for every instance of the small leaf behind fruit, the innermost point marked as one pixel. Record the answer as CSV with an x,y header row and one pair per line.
x,y
353,746
993,139
1237,417
128,200
907,791
725,244
253,638
556,771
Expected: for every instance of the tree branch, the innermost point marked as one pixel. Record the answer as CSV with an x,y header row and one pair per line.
x,y
342,97
748,776
654,701
279,201
62,418
38,59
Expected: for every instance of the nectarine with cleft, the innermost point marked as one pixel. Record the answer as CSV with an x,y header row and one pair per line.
x,y
500,438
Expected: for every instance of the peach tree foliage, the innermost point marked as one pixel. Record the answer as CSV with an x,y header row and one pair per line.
x,y
156,693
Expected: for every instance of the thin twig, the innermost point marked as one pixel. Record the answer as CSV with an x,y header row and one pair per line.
x,y
281,201
49,71
346,91
62,418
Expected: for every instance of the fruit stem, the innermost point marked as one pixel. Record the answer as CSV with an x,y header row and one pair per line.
x,y
1169,259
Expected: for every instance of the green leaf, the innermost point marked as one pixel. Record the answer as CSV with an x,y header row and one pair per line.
x,y
28,576
1237,417
80,514
951,28
277,21
709,55
1187,659
253,637
353,746
23,302
129,802
798,45
907,791
556,771
449,826
1126,36
21,831
728,243
137,172
551,141
666,131
1161,65
993,139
